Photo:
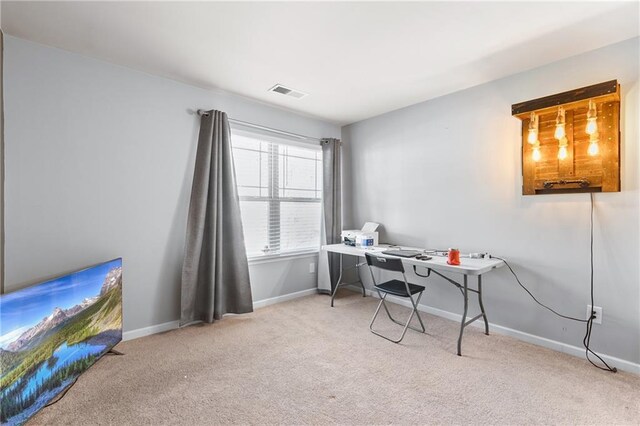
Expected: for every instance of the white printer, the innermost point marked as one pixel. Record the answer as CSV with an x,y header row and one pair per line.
x,y
365,237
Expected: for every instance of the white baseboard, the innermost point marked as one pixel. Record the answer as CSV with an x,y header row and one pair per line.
x,y
283,298
159,328
621,364
147,331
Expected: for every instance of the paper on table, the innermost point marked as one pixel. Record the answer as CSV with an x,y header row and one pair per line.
x,y
377,249
370,227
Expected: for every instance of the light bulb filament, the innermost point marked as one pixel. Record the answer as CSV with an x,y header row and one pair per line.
x,y
593,149
562,150
535,155
562,153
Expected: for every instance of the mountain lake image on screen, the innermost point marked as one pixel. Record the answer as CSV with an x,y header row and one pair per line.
x,y
50,333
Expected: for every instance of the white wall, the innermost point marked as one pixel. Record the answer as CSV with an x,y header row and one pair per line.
x,y
447,172
99,165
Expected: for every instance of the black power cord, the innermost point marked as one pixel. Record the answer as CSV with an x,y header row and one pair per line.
x,y
587,337
533,297
69,386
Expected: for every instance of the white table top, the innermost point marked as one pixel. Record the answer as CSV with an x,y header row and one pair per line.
x,y
467,266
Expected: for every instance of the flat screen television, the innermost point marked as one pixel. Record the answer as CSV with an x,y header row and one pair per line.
x,y
50,333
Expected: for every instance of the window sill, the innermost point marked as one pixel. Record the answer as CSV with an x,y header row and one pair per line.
x,y
267,258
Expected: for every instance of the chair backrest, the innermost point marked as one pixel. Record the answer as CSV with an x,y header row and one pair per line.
x,y
387,263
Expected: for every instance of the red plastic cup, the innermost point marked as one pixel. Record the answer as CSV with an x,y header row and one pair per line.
x,y
454,257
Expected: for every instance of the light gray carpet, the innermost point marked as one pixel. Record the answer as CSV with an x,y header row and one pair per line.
x,y
302,362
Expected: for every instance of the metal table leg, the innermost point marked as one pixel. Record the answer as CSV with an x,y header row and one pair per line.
x,y
484,315
335,290
364,290
339,282
465,294
464,289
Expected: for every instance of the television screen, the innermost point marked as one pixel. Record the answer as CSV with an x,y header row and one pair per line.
x,y
50,333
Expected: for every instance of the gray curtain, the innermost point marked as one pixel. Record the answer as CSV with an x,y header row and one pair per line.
x,y
328,270
215,274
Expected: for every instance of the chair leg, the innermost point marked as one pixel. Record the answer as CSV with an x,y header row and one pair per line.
x,y
376,312
414,311
385,306
415,307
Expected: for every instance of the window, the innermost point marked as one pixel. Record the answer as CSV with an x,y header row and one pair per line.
x,y
280,189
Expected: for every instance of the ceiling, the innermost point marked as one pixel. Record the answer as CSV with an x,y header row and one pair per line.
x,y
355,60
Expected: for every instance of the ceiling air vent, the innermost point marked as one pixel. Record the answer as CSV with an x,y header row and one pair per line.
x,y
279,88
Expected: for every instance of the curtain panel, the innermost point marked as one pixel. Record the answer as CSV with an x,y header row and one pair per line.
x,y
328,265
215,273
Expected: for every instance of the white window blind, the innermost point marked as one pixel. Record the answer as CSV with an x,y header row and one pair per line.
x,y
280,190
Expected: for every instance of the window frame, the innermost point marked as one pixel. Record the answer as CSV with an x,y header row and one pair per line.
x,y
274,199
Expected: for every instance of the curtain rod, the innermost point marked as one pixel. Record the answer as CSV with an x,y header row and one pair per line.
x,y
202,112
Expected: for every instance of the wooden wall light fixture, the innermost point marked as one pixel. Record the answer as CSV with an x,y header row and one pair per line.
x,y
571,141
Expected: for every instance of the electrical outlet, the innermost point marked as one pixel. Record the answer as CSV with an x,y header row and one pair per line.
x,y
312,268
597,312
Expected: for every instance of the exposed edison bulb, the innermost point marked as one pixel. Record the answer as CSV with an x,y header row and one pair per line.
x,y
593,149
592,118
562,153
536,155
562,149
560,131
533,129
